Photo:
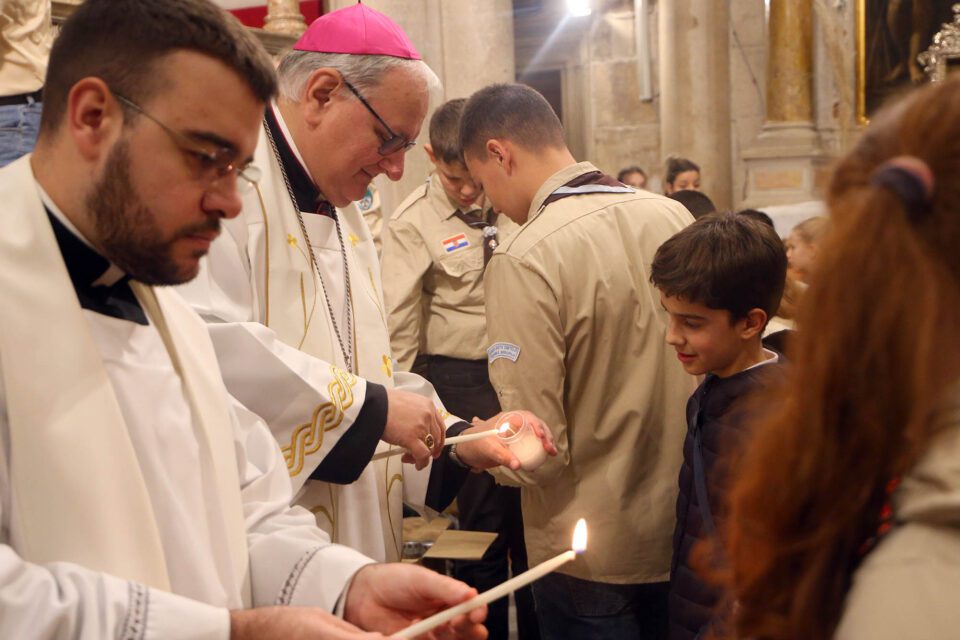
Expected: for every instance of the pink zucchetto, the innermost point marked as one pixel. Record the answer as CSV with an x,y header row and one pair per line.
x,y
358,30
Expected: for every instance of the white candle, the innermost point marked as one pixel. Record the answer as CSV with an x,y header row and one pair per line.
x,y
518,436
448,441
508,587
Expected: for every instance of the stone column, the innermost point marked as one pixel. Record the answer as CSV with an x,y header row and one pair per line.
x,y
467,47
790,62
695,90
284,16
786,164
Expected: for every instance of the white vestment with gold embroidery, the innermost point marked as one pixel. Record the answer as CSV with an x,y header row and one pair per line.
x,y
281,357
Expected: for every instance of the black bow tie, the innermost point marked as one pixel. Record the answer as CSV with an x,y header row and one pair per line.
x,y
85,266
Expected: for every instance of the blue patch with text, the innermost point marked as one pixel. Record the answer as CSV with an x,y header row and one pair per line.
x,y
503,350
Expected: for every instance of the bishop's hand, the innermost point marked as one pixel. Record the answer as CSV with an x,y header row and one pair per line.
x,y
414,424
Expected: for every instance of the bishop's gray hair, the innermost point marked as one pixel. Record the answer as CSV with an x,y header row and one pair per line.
x,y
363,72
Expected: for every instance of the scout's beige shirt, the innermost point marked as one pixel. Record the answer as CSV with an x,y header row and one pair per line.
x,y
578,338
433,278
26,36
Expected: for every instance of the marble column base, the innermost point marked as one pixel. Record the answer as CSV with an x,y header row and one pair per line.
x,y
283,16
786,165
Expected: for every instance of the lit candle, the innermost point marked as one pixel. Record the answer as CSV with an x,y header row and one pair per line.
x,y
508,587
448,441
516,433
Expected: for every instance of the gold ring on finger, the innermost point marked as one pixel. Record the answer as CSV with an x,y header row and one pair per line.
x,y
429,441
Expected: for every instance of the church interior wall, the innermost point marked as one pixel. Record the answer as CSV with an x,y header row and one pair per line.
x,y
748,63
597,58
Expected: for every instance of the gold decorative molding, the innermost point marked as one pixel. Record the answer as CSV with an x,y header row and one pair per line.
x,y
861,26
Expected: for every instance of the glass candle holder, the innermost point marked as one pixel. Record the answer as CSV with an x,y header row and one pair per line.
x,y
516,434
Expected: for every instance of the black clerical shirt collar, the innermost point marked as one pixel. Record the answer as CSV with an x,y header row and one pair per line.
x,y
305,191
100,285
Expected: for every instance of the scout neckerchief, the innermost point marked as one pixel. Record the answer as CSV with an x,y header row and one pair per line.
x,y
486,223
590,182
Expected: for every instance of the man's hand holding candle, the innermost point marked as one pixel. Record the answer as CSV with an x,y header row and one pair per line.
x,y
390,597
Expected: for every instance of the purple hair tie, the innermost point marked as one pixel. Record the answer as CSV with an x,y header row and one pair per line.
x,y
911,180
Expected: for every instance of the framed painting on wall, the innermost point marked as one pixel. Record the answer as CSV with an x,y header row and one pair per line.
x,y
891,34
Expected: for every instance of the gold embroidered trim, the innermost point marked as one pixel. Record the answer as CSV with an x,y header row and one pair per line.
x,y
397,477
266,256
308,437
322,511
376,297
303,307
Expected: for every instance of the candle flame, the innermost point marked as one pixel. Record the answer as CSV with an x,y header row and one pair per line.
x,y
504,428
580,536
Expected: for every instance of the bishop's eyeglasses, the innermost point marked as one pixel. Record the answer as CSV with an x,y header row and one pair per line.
x,y
395,142
213,164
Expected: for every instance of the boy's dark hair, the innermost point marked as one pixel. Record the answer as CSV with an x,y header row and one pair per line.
x,y
623,173
676,166
120,42
696,202
723,261
445,130
757,215
509,111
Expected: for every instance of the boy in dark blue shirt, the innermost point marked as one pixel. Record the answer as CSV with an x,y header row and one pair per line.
x,y
720,279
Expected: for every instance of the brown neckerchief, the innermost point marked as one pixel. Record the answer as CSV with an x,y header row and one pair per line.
x,y
582,183
486,223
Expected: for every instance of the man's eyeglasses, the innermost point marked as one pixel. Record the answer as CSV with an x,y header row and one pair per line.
x,y
213,164
395,142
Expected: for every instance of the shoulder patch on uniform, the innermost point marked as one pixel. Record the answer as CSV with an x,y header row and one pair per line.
x,y
455,243
503,350
366,203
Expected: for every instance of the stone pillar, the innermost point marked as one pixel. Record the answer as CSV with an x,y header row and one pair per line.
x,y
283,16
695,90
786,164
467,47
790,62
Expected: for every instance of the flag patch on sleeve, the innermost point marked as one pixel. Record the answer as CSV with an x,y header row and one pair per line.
x,y
454,243
503,350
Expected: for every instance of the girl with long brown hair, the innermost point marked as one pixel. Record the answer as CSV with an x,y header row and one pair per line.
x,y
845,518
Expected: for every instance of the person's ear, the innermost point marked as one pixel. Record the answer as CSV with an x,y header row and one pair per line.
x,y
429,149
320,89
94,118
500,152
753,323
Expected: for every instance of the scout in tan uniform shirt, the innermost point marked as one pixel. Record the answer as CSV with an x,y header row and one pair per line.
x,y
436,246
577,335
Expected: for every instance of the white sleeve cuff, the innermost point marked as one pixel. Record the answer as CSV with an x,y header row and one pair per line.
x,y
325,578
169,616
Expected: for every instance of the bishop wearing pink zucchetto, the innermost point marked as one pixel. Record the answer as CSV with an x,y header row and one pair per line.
x,y
293,297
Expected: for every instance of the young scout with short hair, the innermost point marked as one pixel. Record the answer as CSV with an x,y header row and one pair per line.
x,y
720,279
436,247
577,333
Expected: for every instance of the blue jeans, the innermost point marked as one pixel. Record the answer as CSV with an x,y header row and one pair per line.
x,y
19,124
575,609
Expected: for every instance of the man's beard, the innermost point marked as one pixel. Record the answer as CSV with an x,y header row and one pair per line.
x,y
127,231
